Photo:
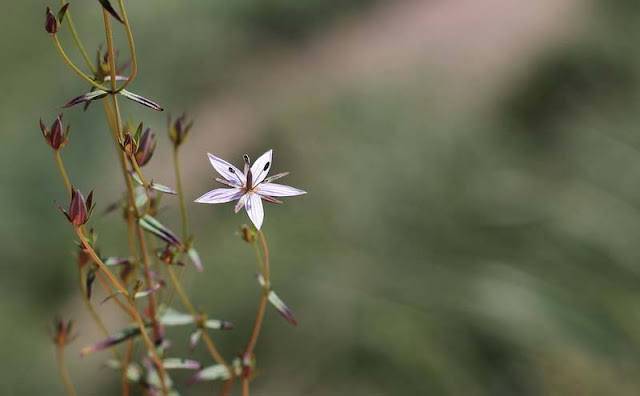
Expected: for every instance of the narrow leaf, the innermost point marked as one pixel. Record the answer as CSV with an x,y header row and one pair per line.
x,y
134,371
177,363
109,8
278,303
93,95
115,339
211,373
171,317
194,338
162,188
116,261
218,324
62,12
141,99
195,258
156,228
145,293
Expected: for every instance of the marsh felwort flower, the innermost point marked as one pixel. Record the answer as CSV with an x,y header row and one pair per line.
x,y
249,187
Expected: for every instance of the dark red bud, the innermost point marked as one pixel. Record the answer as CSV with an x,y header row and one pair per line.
x,y
179,129
55,136
51,22
146,146
129,146
77,209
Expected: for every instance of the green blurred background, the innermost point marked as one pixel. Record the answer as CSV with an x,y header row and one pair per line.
x,y
473,171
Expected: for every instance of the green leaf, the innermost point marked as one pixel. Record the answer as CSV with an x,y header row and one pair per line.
x,y
141,99
177,363
172,317
122,335
278,303
211,373
156,228
195,258
162,188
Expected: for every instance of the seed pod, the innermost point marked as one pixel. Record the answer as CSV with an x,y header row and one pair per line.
x,y
55,137
146,146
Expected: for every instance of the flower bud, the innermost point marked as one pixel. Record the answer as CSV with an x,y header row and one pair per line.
x,y
129,146
79,210
55,137
179,129
247,234
51,22
62,332
146,146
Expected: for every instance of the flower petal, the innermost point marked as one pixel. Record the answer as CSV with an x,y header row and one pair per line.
x,y
278,190
254,208
240,204
220,195
226,170
261,167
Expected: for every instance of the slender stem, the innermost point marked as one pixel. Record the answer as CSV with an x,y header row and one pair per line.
x,y
157,335
125,368
265,254
147,188
132,309
257,326
187,304
64,373
183,206
226,388
132,48
74,67
103,267
92,311
245,386
76,38
109,292
63,173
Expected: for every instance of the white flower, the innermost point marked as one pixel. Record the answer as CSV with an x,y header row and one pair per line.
x,y
249,187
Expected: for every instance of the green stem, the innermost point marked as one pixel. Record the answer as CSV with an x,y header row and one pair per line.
x,y
132,48
74,67
62,171
64,373
183,206
76,38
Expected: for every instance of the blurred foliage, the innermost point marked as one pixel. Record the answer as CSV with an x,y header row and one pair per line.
x,y
441,249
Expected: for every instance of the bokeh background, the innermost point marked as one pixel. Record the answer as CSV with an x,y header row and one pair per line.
x,y
473,170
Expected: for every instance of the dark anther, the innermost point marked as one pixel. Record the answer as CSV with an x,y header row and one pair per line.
x,y
231,170
266,166
246,159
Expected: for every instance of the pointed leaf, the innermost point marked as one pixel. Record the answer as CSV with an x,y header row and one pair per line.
x,y
115,339
136,178
93,95
218,324
278,303
195,258
172,317
177,363
141,99
145,293
211,373
62,12
194,338
156,228
162,188
109,8
116,261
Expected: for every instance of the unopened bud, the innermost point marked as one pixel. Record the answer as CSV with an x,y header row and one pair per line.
x,y
55,137
247,234
146,146
79,209
62,332
51,22
179,129
129,145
